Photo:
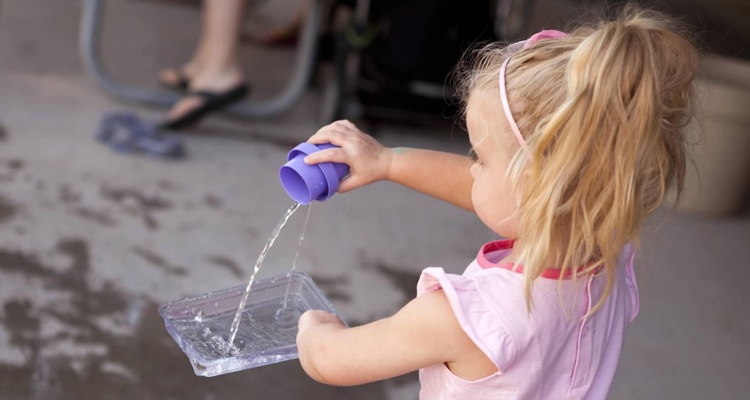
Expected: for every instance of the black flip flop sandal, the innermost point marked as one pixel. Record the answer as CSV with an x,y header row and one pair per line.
x,y
212,101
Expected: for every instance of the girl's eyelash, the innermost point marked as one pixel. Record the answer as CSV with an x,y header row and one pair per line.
x,y
474,156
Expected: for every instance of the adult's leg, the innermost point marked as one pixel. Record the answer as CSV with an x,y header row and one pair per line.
x,y
214,66
218,48
288,33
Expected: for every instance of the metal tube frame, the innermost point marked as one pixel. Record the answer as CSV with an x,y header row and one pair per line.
x,y
89,42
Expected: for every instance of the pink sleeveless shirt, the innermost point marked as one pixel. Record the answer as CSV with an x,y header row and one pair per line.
x,y
552,353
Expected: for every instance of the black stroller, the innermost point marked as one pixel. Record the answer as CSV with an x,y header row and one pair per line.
x,y
392,59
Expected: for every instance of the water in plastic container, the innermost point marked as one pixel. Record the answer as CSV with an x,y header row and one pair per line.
x,y
267,331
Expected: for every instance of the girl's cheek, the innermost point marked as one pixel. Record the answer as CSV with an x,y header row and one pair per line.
x,y
474,170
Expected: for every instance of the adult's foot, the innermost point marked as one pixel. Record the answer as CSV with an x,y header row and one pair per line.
x,y
177,78
208,92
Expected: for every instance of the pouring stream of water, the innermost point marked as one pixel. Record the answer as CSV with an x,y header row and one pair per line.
x,y
258,263
294,263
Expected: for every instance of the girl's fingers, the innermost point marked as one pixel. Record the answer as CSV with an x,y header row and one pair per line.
x,y
352,144
346,123
327,135
337,155
316,317
334,135
348,183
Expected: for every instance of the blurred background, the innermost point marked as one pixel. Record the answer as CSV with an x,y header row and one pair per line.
x,y
92,240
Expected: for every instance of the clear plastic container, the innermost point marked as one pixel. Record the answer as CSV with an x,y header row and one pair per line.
x,y
266,335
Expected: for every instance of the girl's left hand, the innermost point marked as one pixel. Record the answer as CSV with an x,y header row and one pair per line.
x,y
317,317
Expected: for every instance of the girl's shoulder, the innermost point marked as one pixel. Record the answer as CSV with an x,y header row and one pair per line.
x,y
491,306
475,310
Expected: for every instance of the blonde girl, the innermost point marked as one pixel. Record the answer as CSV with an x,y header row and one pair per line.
x,y
577,140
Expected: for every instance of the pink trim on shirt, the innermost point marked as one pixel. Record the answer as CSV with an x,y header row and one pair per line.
x,y
507,244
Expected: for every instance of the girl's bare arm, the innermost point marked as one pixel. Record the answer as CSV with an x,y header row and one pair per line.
x,y
441,175
425,332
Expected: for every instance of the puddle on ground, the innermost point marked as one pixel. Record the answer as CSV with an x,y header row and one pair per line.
x,y
15,164
213,201
333,287
7,209
98,217
405,280
67,195
159,262
137,203
137,361
226,263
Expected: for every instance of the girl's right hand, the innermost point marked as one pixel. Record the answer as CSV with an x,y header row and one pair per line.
x,y
368,160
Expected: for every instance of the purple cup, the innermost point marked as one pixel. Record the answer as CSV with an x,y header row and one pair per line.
x,y
305,183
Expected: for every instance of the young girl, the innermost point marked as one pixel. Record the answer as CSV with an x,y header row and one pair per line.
x,y
577,140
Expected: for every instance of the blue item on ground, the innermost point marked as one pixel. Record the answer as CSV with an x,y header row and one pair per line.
x,y
126,133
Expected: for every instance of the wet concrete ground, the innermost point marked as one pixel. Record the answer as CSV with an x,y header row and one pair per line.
x,y
92,242
92,246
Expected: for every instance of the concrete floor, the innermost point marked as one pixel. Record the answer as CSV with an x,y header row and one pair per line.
x,y
92,242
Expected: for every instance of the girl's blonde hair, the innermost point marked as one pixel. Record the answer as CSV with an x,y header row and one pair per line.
x,y
601,111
